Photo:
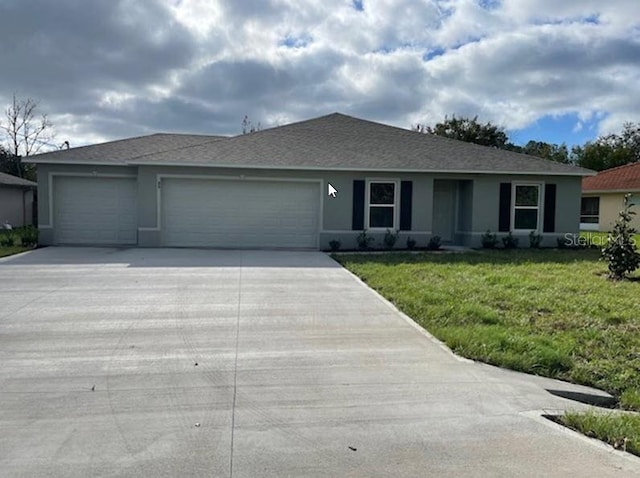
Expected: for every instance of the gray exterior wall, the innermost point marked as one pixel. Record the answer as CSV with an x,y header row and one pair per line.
x,y
16,206
477,200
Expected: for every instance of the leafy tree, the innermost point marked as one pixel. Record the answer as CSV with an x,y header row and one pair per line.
x,y
26,134
610,151
469,130
621,252
552,152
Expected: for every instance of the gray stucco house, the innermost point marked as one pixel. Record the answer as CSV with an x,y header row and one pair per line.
x,y
270,189
16,200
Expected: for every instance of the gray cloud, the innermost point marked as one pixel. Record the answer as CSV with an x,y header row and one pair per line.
x,y
115,68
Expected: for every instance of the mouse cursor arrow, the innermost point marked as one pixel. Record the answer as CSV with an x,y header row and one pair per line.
x,y
332,190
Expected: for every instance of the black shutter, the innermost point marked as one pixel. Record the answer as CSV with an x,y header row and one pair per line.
x,y
549,208
406,193
504,221
357,219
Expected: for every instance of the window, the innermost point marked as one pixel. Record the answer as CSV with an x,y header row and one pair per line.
x,y
526,207
590,210
382,204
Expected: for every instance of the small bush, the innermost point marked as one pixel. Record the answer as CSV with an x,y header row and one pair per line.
x,y
364,240
510,242
390,239
411,243
535,240
621,252
489,241
334,245
29,236
434,243
9,238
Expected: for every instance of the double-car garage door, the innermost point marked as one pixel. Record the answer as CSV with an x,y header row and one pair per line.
x,y
193,212
229,213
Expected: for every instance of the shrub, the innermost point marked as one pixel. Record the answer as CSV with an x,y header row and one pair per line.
x,y
535,240
434,243
29,236
510,242
9,238
411,243
621,252
562,243
489,241
390,239
364,240
334,245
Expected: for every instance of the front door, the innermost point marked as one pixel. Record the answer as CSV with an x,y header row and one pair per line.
x,y
444,206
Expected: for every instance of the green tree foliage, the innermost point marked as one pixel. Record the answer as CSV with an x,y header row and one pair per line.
x,y
611,150
621,252
553,152
469,130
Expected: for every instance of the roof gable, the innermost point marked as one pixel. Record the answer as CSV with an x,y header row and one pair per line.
x,y
622,178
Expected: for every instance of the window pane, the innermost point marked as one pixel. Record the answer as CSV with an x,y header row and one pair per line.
x,y
381,217
590,206
526,219
526,195
589,219
382,193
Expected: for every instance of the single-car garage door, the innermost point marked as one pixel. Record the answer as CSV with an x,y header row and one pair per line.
x,y
94,210
233,213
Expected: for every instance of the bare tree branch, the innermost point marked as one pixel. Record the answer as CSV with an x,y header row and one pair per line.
x,y
26,134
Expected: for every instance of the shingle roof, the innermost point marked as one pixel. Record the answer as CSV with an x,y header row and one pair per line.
x,y
124,150
340,142
9,180
622,178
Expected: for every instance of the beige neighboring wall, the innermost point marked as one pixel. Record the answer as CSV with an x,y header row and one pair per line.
x,y
610,206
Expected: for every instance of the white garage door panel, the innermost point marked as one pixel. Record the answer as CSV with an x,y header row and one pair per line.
x,y
95,210
227,213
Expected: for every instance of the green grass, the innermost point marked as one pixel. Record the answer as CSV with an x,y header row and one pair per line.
x,y
9,251
599,239
546,312
620,430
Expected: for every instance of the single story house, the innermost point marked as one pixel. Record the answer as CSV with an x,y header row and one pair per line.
x,y
603,197
16,200
270,189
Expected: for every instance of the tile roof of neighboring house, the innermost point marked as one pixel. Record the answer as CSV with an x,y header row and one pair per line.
x,y
340,142
623,178
9,180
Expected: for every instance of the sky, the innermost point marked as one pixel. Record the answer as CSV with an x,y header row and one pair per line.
x,y
548,70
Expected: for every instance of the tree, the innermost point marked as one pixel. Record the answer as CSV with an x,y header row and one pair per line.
x,y
469,130
620,252
610,151
550,151
26,134
247,126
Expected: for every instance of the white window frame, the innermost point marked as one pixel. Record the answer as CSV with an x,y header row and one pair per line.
x,y
537,207
395,205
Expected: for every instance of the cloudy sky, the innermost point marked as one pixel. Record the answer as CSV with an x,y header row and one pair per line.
x,y
553,70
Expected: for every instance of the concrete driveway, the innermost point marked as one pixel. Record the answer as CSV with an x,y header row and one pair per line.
x,y
167,362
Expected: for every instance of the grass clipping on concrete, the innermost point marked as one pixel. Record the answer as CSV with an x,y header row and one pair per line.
x,y
546,312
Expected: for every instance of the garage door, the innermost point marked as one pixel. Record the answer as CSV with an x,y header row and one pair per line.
x,y
95,210
248,214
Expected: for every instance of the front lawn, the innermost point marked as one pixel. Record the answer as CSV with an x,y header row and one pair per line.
x,y
11,250
546,312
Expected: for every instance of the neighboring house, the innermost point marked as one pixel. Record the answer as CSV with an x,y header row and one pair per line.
x,y
16,200
270,189
603,197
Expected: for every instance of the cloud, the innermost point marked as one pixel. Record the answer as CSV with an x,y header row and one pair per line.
x,y
109,69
